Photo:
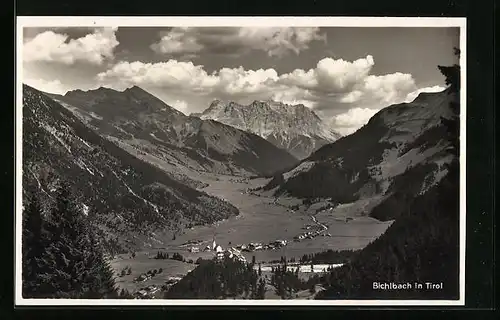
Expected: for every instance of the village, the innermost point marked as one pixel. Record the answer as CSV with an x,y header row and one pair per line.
x,y
219,253
152,284
236,251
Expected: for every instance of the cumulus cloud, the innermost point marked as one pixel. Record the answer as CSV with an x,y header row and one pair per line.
x,y
93,48
52,86
331,83
172,74
180,105
178,40
413,95
276,41
343,91
348,122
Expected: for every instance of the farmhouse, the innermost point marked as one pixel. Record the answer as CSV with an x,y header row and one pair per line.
x,y
242,247
233,253
280,243
194,249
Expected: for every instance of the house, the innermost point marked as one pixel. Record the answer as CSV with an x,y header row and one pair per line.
x,y
255,246
142,293
152,289
280,243
194,249
141,278
207,248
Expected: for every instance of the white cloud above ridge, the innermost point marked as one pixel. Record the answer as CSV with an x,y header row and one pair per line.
x,y
49,86
413,95
348,122
93,48
276,41
332,84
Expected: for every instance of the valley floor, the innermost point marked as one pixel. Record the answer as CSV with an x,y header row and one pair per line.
x,y
263,220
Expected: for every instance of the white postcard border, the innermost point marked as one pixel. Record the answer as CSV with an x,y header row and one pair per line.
x,y
144,21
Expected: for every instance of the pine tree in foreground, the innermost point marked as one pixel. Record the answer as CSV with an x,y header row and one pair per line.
x,y
61,255
32,244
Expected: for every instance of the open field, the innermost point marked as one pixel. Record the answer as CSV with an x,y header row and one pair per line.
x,y
261,220
141,264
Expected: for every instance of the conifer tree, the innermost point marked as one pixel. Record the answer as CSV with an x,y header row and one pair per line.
x,y
452,75
32,242
69,260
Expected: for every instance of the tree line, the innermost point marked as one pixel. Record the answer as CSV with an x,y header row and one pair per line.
x,y
219,280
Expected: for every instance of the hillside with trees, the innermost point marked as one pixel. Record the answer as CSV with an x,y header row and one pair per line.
x,y
422,245
62,256
129,197
214,279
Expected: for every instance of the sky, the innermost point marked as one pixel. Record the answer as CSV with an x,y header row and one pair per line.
x,y
344,74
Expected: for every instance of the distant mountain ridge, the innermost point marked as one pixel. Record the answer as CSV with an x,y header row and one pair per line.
x,y
131,198
143,124
402,147
294,128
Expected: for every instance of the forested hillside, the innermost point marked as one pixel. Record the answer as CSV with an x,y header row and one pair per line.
x,y
62,256
422,245
130,198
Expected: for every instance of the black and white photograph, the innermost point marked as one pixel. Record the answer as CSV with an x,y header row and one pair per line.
x,y
242,161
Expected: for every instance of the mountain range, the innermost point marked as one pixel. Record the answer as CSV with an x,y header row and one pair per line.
x,y
134,199
294,128
154,131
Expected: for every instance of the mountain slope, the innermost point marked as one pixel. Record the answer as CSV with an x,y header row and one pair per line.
x,y
138,120
130,197
294,128
421,246
403,166
402,146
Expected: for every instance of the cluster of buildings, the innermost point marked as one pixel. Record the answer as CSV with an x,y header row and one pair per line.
x,y
147,292
312,233
220,253
254,246
236,252
143,277
232,253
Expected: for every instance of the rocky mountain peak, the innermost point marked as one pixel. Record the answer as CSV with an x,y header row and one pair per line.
x,y
294,128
